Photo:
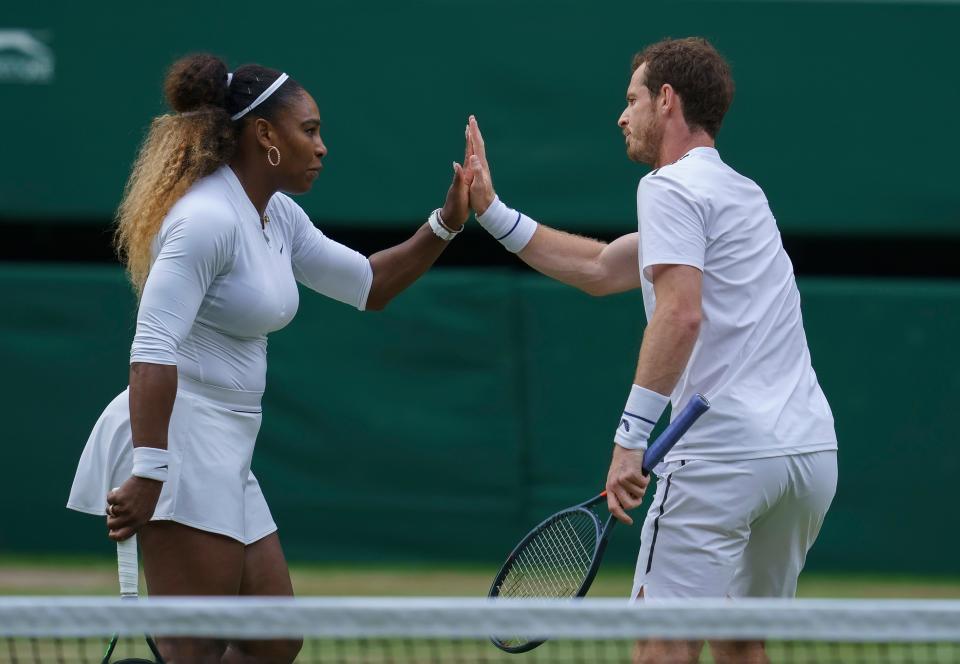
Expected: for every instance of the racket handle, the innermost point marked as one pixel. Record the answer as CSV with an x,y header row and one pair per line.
x,y
659,448
128,568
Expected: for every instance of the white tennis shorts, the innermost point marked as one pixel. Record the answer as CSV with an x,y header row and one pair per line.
x,y
733,528
211,438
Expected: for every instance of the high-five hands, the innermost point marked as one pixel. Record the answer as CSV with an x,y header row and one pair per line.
x,y
511,228
456,208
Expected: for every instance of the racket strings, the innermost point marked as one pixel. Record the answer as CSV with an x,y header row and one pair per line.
x,y
555,562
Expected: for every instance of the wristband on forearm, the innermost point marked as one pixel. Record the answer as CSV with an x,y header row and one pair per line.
x,y
152,463
644,407
440,228
509,227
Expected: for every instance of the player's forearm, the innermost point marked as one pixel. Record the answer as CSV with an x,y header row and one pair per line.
x,y
396,268
575,260
153,389
570,259
667,344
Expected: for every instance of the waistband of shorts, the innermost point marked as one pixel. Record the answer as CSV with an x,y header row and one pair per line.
x,y
222,395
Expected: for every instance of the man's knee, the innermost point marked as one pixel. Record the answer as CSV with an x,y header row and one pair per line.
x,y
666,652
739,652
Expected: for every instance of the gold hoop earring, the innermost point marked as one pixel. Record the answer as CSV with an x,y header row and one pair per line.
x,y
270,150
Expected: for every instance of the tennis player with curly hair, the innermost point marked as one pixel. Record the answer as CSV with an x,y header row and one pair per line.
x,y
742,496
215,247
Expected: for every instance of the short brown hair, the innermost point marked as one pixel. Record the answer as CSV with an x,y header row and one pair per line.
x,y
698,73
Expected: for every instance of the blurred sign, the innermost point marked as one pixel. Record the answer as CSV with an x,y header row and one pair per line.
x,y
25,57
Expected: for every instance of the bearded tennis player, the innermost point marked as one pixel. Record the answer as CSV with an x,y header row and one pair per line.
x,y
740,500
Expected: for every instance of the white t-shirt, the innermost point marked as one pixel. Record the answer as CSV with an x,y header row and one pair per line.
x,y
751,359
219,283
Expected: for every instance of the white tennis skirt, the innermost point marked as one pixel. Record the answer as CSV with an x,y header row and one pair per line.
x,y
211,438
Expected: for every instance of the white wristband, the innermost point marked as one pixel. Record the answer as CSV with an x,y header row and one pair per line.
x,y
151,463
510,228
644,407
440,229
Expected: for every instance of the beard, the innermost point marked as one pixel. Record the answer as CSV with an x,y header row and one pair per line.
x,y
645,148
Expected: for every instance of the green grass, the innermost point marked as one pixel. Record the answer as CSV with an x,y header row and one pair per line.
x,y
58,575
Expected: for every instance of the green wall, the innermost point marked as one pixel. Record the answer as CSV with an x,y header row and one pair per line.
x,y
841,113
481,400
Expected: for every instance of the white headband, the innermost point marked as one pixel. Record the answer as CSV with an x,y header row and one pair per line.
x,y
263,95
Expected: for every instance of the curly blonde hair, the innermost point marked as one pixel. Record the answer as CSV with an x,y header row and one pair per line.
x,y
178,151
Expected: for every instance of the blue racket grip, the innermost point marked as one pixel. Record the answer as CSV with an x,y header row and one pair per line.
x,y
658,449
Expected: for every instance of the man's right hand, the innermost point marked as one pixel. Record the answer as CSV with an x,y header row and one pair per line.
x,y
481,188
626,482
130,506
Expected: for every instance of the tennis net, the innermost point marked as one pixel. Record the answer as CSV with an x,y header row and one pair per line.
x,y
399,631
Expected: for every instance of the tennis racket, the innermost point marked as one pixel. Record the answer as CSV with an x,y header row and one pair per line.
x,y
129,572
560,557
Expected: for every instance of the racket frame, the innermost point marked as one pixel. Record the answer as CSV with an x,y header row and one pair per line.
x,y
603,534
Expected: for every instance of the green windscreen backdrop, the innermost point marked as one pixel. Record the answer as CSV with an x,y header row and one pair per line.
x,y
476,404
842,112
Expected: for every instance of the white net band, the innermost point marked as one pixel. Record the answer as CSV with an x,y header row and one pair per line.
x,y
794,620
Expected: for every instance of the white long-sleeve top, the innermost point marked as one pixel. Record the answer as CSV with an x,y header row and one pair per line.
x,y
219,283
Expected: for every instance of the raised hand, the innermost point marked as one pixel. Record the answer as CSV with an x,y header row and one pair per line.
x,y
481,187
456,209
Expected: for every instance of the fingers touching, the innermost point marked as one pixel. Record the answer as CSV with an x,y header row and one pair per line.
x,y
464,174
